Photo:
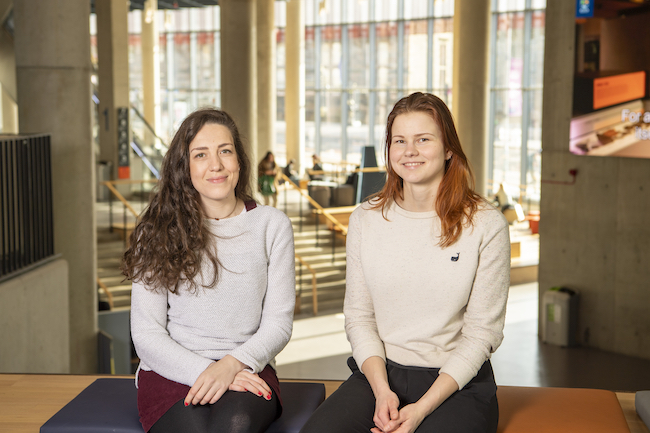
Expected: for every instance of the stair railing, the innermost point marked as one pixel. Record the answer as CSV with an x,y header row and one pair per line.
x,y
314,287
339,227
111,185
106,290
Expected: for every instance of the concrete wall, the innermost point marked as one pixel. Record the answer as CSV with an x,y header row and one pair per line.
x,y
594,235
52,46
34,321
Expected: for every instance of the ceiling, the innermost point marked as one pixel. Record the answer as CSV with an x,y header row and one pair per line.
x,y
175,4
168,4
618,8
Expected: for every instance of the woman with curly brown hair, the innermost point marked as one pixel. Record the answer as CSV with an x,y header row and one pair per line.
x,y
428,271
213,288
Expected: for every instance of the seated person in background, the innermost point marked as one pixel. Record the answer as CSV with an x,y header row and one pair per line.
x,y
428,272
510,208
213,289
352,177
317,167
290,172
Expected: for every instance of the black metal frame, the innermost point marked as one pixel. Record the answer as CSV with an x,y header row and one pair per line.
x,y
26,221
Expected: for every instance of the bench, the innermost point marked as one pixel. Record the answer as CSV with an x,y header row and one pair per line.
x,y
558,410
110,405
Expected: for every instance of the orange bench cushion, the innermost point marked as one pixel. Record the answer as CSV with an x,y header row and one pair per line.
x,y
545,410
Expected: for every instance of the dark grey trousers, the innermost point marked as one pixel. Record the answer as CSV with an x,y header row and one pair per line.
x,y
350,409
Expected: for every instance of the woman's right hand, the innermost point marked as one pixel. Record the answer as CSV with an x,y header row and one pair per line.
x,y
251,382
386,408
386,401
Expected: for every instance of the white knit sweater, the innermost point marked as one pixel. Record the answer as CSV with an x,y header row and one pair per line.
x,y
417,304
248,314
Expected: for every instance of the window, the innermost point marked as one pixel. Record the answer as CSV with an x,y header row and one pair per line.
x,y
517,50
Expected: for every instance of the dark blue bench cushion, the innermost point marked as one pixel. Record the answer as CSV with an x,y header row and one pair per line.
x,y
642,404
110,405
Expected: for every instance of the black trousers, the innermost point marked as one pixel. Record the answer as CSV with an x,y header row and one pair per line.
x,y
350,409
234,412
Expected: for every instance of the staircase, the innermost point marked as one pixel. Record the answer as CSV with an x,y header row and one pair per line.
x,y
330,274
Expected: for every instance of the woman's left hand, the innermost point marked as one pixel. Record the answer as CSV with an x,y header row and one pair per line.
x,y
408,420
251,382
214,381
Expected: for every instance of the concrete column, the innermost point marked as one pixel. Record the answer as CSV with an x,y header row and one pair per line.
x,y
9,108
150,64
113,74
470,82
294,104
238,77
52,45
9,113
266,83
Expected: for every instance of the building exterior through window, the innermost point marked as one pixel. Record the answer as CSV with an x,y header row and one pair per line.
x,y
361,56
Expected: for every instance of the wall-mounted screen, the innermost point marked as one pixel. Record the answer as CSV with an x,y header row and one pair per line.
x,y
611,103
623,130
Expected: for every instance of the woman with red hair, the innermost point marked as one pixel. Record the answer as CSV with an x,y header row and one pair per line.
x,y
428,271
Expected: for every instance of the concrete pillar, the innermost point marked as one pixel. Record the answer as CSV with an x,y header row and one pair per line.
x,y
470,82
295,83
150,64
9,113
266,83
8,106
113,74
238,77
52,46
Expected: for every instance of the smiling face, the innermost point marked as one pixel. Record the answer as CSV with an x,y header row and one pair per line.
x,y
417,152
214,167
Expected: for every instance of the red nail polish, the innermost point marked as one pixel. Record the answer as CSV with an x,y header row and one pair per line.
x,y
259,393
186,404
268,397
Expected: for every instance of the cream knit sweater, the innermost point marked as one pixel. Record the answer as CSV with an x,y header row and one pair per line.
x,y
417,304
248,314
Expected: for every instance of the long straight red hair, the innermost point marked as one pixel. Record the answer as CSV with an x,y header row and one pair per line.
x,y
456,202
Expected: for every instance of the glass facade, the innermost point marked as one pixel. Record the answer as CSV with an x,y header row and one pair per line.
x,y
516,78
189,63
361,56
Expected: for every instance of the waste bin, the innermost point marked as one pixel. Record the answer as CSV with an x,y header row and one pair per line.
x,y
103,174
560,316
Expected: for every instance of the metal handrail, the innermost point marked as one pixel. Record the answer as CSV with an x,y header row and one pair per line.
x,y
110,184
314,287
106,290
340,227
149,127
356,170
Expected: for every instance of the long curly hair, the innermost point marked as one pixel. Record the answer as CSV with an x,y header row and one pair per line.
x,y
456,202
171,240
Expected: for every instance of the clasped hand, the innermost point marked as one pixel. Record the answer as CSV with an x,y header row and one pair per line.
x,y
223,375
388,419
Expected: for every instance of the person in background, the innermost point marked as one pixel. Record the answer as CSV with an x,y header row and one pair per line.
x,y
213,288
428,272
267,178
291,172
316,167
